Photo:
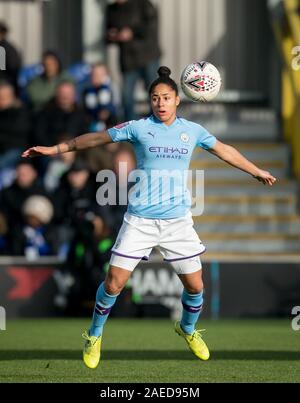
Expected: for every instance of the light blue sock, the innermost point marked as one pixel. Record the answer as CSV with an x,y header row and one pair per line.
x,y
103,305
192,307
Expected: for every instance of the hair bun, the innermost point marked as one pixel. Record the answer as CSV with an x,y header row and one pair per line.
x,y
164,71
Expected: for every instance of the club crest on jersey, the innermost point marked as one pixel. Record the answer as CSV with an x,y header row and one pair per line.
x,y
185,138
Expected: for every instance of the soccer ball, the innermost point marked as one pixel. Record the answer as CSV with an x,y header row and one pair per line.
x,y
201,82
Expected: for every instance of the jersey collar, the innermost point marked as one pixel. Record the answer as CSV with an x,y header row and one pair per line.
x,y
155,120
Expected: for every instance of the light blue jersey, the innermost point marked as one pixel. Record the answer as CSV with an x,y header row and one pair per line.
x,y
163,156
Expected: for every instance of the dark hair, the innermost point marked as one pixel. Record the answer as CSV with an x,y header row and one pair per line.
x,y
25,161
3,28
5,84
164,78
52,53
79,165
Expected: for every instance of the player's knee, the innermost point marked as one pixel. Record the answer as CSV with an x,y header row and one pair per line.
x,y
194,291
195,288
113,288
113,285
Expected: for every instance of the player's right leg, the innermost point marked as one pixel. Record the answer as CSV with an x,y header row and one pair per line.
x,y
106,296
135,241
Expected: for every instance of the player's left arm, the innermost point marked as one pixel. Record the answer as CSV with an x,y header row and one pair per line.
x,y
233,157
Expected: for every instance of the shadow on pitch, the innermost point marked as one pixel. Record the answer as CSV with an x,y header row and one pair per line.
x,y
150,355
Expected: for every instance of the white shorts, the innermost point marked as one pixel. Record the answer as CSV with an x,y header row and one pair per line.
x,y
176,239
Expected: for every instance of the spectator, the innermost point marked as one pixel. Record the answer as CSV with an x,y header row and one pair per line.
x,y
25,185
13,60
100,99
85,232
97,159
35,237
76,194
87,261
75,199
62,117
42,88
15,127
133,25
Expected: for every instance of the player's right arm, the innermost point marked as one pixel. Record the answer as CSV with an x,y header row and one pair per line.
x,y
79,143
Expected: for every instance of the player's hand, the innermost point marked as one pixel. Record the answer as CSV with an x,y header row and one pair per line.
x,y
39,151
125,35
265,177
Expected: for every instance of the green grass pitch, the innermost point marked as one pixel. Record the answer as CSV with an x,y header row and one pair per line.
x,y
49,350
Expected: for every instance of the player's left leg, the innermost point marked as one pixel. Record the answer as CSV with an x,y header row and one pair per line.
x,y
192,300
180,245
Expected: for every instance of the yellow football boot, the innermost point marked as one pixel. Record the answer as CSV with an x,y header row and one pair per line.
x,y
195,342
91,350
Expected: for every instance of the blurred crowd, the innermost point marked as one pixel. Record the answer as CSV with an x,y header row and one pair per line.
x,y
48,206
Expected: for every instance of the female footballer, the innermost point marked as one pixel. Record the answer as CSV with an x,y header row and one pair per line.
x,y
163,142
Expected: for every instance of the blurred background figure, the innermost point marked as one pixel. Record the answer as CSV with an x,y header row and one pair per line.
x,y
13,59
75,198
87,262
100,99
34,237
85,236
15,128
26,184
133,26
75,195
42,88
61,117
